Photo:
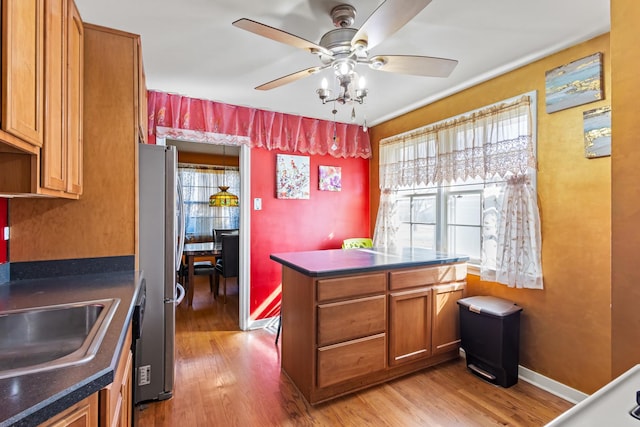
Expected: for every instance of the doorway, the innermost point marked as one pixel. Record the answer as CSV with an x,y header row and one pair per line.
x,y
243,154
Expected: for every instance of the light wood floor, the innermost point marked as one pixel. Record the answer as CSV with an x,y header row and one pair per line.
x,y
226,377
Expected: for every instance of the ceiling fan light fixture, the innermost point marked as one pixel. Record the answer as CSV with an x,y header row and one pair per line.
x,y
377,62
344,67
360,45
344,47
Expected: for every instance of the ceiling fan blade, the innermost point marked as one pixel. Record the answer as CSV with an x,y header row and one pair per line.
x,y
388,18
280,36
289,78
426,66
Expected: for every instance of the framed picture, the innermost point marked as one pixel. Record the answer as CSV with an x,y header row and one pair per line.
x,y
292,177
597,132
330,178
576,83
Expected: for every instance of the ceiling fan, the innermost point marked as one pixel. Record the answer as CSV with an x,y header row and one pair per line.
x,y
345,47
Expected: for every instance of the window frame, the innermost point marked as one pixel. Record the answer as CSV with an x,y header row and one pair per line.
x,y
441,225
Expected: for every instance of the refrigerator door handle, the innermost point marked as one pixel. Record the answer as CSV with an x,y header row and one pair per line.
x,y
181,224
180,297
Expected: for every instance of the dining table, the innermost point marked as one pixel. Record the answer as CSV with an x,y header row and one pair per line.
x,y
190,252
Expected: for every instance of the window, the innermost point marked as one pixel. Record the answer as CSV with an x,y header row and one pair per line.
x,y
466,185
445,218
198,184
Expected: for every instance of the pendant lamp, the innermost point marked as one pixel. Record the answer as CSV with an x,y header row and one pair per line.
x,y
223,198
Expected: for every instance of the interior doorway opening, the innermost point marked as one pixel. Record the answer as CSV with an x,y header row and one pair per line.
x,y
205,153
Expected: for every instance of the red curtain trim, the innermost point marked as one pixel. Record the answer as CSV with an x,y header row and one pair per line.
x,y
200,120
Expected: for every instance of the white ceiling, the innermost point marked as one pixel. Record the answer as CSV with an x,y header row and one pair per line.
x,y
191,48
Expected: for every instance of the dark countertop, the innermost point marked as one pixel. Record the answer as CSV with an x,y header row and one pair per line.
x,y
334,262
31,399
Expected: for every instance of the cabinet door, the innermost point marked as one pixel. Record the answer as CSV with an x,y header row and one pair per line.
x,y
446,318
75,59
143,119
54,149
22,69
82,414
126,393
115,399
410,325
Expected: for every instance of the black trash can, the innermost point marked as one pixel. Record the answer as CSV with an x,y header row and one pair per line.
x,y
490,337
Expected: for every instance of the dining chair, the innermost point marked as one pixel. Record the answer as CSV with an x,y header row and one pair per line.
x,y
228,263
200,268
217,232
357,242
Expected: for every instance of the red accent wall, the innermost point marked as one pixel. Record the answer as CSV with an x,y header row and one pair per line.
x,y
321,222
3,223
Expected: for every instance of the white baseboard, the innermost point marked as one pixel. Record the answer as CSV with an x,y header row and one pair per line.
x,y
552,386
268,323
547,384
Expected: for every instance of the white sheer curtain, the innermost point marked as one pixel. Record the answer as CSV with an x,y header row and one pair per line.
x,y
198,184
493,143
387,221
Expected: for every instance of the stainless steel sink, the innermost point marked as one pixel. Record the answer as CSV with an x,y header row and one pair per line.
x,y
42,338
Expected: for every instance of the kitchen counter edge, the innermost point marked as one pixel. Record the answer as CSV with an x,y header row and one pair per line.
x,y
371,260
63,387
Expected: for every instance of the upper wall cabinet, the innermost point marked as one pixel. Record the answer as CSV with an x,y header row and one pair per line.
x,y
42,94
22,69
143,119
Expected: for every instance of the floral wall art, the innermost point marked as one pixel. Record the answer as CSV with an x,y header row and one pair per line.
x,y
330,178
292,175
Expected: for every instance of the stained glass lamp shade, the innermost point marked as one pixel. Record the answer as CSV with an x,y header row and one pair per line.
x,y
223,198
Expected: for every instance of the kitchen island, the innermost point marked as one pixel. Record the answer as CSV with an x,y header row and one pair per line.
x,y
358,317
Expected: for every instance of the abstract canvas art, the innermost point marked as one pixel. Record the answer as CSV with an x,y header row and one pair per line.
x,y
292,176
597,132
330,178
576,83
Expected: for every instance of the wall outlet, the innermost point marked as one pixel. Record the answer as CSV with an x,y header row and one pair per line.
x,y
144,375
5,233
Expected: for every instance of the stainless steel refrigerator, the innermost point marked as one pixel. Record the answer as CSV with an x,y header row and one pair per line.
x,y
161,239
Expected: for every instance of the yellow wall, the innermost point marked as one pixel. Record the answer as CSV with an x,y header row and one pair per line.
x,y
565,328
625,180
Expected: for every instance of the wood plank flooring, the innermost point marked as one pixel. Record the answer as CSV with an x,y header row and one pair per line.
x,y
227,377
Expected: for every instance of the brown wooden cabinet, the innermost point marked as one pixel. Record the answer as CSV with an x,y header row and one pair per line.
x,y
75,93
23,70
115,399
344,333
54,153
41,142
446,318
82,414
410,325
143,120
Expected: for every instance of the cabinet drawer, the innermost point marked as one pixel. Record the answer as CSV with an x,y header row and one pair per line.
x,y
351,286
427,276
352,359
346,320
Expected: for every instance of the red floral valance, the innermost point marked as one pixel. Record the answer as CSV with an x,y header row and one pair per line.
x,y
200,120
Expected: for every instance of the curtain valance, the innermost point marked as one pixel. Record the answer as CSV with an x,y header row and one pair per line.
x,y
200,120
493,141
